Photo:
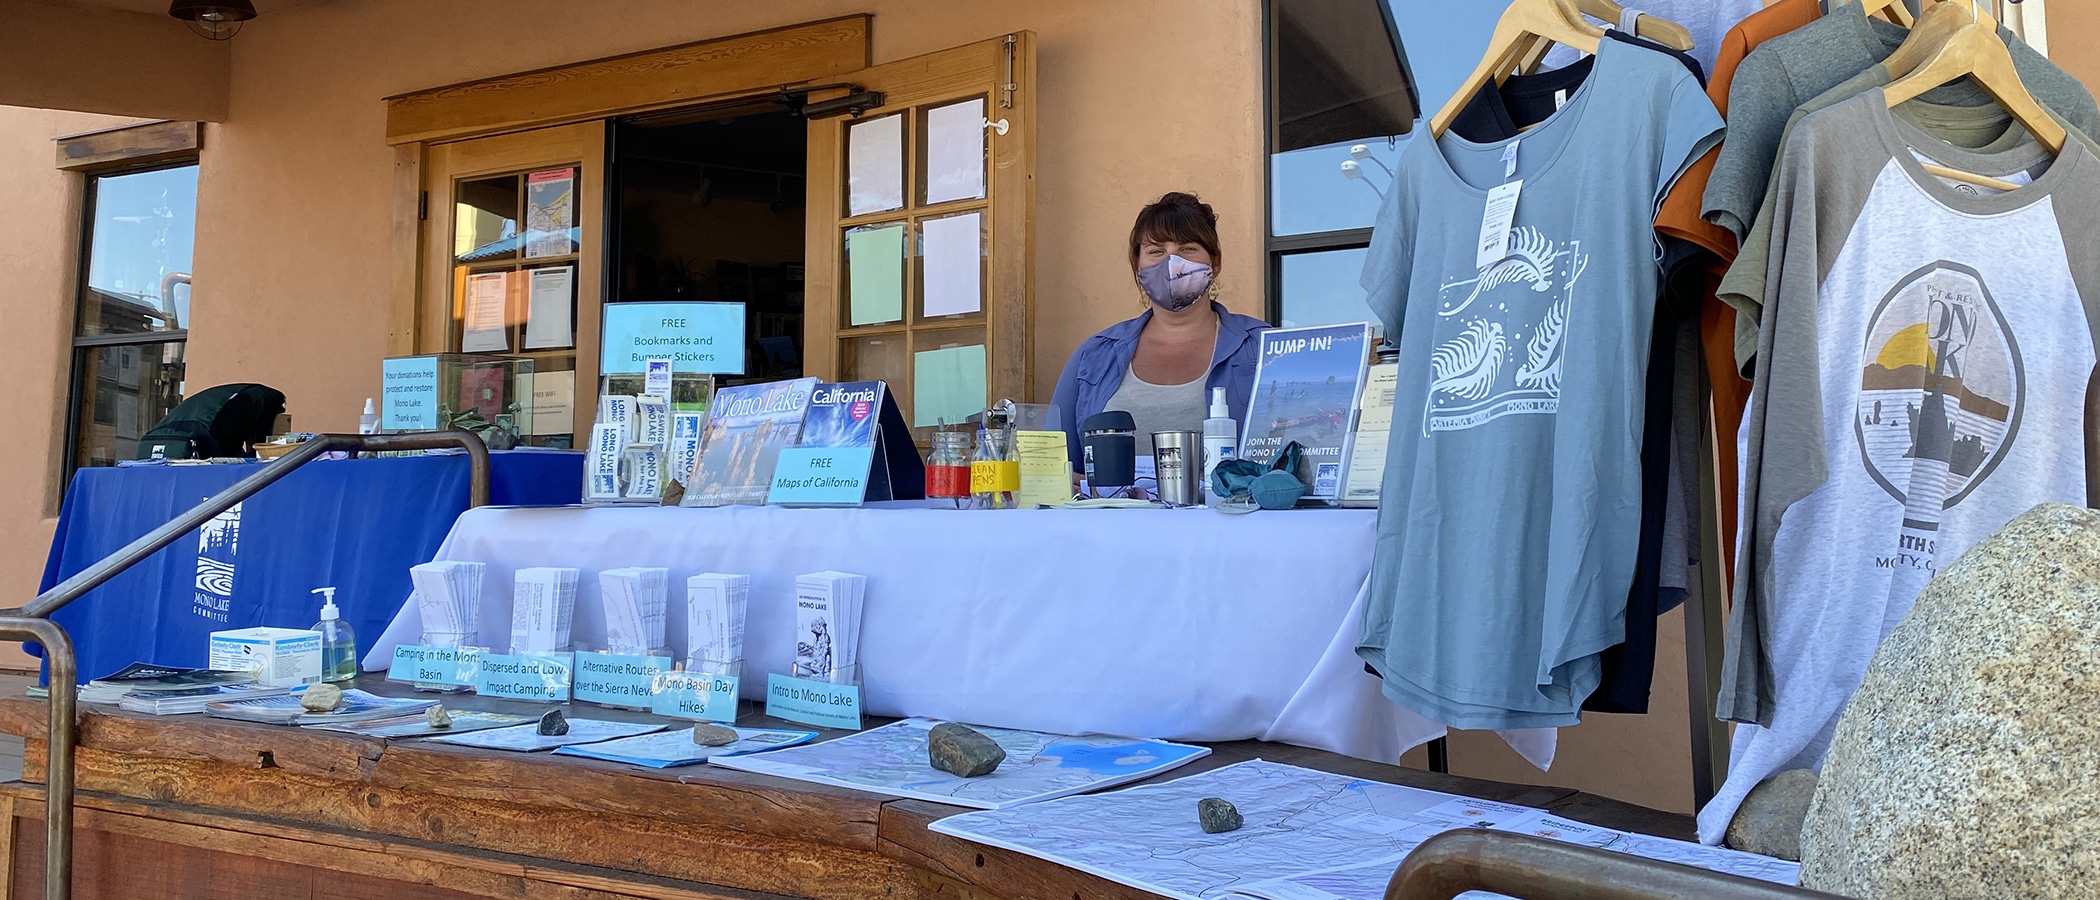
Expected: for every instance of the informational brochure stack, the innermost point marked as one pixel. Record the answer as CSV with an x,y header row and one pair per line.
x,y
170,703
145,678
827,625
715,605
543,606
448,594
635,599
285,709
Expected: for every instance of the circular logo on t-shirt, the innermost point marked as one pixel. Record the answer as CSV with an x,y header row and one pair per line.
x,y
1941,388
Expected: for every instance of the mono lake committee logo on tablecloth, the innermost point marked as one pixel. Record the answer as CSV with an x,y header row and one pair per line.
x,y
218,542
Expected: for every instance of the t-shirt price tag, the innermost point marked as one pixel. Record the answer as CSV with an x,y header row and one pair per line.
x,y
1495,223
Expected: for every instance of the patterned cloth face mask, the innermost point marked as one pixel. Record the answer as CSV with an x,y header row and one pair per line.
x,y
1174,283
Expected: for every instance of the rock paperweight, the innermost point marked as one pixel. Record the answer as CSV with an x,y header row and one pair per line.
x,y
1218,816
554,723
962,751
713,735
320,698
438,717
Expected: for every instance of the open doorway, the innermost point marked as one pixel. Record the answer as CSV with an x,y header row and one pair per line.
x,y
711,208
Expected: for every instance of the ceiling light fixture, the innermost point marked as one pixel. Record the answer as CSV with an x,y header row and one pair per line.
x,y
215,20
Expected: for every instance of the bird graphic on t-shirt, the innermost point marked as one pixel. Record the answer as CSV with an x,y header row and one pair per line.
x,y
1530,258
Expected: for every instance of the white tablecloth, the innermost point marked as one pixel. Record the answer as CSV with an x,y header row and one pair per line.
x,y
1178,624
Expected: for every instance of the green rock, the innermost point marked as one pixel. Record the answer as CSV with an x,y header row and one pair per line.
x,y
962,751
1218,816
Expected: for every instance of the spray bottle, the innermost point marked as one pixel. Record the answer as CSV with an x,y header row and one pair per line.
x,y
369,422
338,644
1220,438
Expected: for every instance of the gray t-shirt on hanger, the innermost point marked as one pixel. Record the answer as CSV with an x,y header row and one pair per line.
x,y
1985,129
1512,496
1791,69
1921,381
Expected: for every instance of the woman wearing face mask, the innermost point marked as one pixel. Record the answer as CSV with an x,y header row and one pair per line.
x,y
1161,366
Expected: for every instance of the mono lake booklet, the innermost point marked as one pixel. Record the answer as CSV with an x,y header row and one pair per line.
x,y
749,426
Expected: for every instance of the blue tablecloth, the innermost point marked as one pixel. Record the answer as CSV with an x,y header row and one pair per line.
x,y
355,525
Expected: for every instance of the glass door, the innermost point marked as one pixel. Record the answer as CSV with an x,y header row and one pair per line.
x,y
921,217
512,255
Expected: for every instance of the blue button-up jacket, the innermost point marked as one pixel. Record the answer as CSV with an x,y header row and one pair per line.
x,y
1097,367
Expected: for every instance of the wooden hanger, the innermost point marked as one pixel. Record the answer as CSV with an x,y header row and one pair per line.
x,y
1976,51
1654,28
1938,23
1897,11
1524,25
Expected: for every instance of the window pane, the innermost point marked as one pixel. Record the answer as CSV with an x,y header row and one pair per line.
x,y
1310,190
1331,188
1338,75
1320,288
141,243
124,392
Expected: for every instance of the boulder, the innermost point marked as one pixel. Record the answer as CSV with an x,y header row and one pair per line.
x,y
438,717
1963,767
1769,821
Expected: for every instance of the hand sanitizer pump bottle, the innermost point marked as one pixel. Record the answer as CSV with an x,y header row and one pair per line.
x,y
338,644
369,422
1220,438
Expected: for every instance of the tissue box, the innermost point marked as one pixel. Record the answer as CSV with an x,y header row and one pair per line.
x,y
288,657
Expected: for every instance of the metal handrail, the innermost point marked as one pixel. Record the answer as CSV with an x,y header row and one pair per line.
x,y
1534,868
33,623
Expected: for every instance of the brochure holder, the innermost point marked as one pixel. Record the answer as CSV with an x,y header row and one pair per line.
x,y
898,473
707,692
439,652
829,701
624,681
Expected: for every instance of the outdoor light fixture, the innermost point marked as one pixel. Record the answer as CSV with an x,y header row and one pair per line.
x,y
213,19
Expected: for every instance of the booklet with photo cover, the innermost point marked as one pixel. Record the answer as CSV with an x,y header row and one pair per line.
x,y
1306,388
748,427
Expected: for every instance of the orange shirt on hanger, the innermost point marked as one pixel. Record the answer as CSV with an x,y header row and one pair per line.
x,y
1679,218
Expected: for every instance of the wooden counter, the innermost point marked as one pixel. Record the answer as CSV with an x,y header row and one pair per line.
x,y
195,807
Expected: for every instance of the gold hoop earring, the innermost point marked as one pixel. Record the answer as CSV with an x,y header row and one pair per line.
x,y
1212,294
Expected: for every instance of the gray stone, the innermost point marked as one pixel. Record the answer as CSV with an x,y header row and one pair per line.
x,y
438,717
962,750
554,723
1963,766
1218,816
713,735
320,697
1769,821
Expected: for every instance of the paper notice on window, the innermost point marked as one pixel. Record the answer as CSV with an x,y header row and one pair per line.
x,y
954,279
955,152
485,331
550,212
875,165
548,325
875,271
553,409
947,383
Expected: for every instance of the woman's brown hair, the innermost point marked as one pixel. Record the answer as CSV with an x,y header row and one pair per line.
x,y
1176,217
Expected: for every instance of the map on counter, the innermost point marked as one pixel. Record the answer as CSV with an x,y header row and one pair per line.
x,y
1308,834
1039,766
666,749
527,737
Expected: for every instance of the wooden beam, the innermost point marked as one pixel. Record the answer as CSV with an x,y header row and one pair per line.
x,y
479,873
404,262
639,82
130,145
709,854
